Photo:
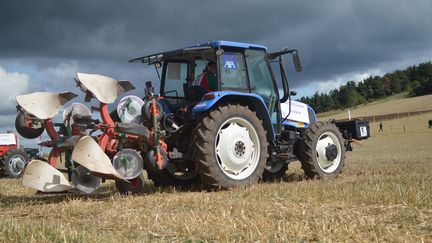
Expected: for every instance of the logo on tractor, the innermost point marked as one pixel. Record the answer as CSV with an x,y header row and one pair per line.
x,y
230,62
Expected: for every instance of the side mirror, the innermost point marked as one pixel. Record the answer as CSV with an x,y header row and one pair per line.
x,y
297,63
293,93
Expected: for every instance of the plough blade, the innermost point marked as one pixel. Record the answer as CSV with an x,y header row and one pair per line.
x,y
44,105
43,177
88,154
105,89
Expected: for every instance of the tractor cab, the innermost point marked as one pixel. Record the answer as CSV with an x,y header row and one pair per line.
x,y
241,69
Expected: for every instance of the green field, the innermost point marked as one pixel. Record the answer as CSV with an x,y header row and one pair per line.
x,y
383,194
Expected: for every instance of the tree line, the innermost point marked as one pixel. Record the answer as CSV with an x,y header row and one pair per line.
x,y
416,80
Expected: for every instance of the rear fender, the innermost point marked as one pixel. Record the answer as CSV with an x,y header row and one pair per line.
x,y
253,101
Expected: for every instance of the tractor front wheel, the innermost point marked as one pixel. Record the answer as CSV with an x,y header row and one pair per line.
x,y
275,171
14,162
322,150
230,147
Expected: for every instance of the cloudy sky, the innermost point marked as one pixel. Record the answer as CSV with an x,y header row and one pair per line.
x,y
44,43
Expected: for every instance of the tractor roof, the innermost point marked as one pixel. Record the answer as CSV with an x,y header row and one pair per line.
x,y
217,43
158,57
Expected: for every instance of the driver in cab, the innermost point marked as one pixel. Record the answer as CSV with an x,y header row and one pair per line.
x,y
207,80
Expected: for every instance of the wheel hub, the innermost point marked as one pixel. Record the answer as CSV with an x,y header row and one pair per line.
x,y
17,164
239,149
331,152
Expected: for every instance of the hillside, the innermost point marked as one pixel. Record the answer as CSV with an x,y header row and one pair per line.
x,y
393,104
415,80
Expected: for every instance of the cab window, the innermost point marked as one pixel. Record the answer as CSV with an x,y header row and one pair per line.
x,y
233,71
174,79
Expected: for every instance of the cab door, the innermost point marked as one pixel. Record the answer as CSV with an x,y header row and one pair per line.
x,y
262,83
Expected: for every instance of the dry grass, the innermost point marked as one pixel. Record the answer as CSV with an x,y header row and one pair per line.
x,y
394,104
384,194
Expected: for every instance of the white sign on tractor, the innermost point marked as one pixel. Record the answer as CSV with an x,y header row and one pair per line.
x,y
299,111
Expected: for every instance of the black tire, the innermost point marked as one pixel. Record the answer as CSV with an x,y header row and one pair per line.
x,y
275,171
135,187
14,162
114,116
164,177
310,158
23,130
212,169
146,114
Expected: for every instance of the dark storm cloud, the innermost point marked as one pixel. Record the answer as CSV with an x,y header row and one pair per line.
x,y
334,37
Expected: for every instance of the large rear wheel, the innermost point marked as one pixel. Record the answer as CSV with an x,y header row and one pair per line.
x,y
230,147
322,150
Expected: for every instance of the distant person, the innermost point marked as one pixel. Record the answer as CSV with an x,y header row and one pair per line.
x,y
207,80
430,124
381,129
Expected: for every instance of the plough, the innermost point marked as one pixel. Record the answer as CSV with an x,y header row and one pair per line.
x,y
115,153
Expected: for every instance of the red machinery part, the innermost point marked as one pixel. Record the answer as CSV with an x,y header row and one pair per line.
x,y
56,151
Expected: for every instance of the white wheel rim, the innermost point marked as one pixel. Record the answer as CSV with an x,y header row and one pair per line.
x,y
237,148
16,164
328,139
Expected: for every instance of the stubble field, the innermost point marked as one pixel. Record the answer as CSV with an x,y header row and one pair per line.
x,y
383,194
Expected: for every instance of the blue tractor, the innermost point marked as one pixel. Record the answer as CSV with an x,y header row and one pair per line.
x,y
242,130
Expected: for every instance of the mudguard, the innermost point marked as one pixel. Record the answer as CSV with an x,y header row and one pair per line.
x,y
209,101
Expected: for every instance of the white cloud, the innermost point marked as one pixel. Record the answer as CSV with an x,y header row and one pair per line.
x,y
64,71
11,85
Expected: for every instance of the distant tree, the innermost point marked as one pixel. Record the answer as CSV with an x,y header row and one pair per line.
x,y
400,81
417,80
378,87
387,84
